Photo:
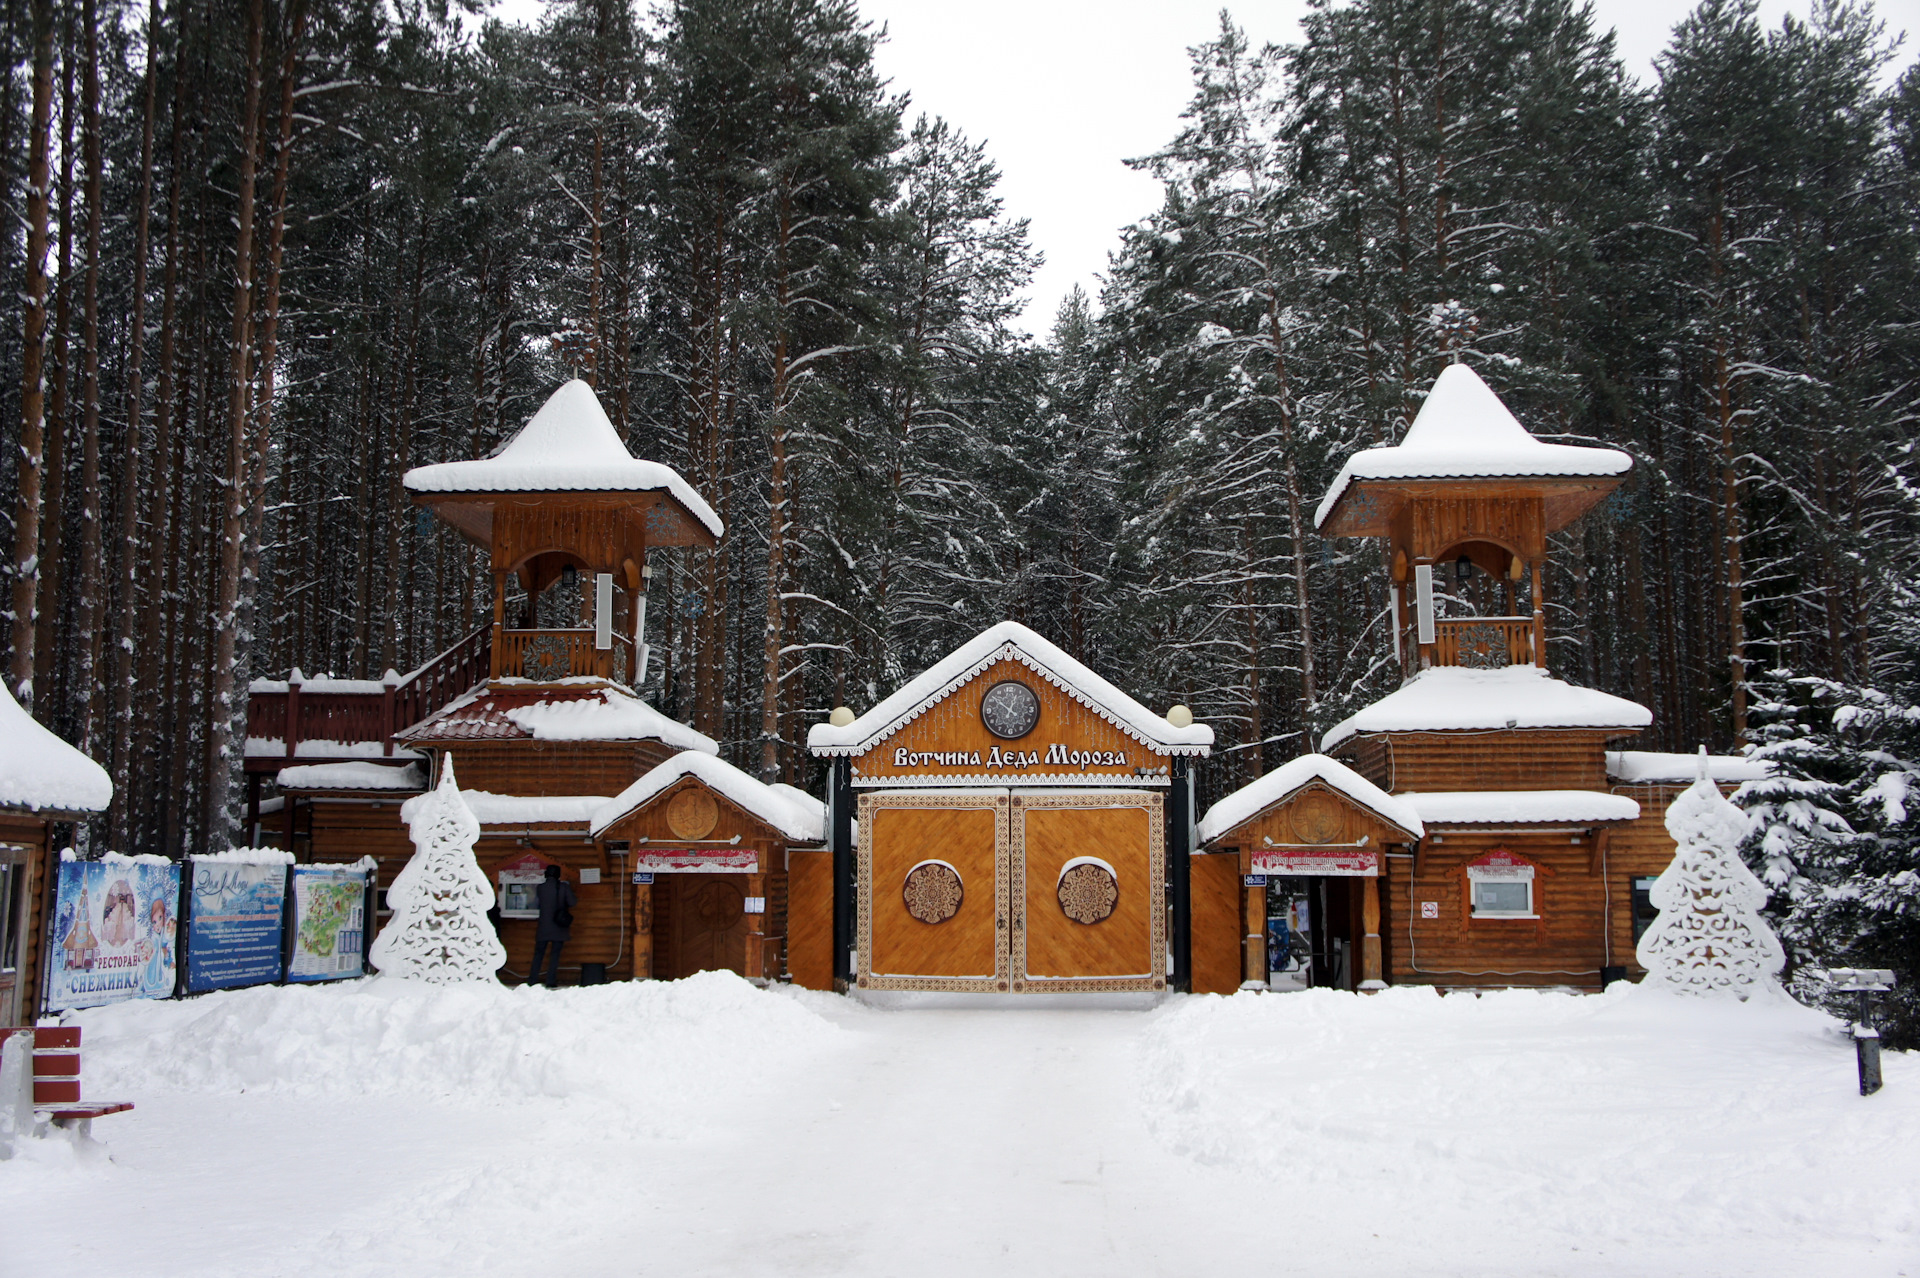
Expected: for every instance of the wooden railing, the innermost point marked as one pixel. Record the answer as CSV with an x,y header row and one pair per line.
x,y
1484,643
548,655
332,714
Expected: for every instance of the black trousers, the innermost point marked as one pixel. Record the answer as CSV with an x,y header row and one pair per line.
x,y
553,967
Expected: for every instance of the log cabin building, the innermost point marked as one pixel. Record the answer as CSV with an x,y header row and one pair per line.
x,y
1478,826
44,783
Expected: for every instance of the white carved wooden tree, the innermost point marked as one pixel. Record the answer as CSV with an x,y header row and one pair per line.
x,y
1709,938
439,930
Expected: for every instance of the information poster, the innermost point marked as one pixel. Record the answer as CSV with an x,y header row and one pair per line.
x,y
329,923
114,923
233,928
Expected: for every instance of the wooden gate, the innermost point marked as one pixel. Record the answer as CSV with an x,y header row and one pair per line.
x,y
981,890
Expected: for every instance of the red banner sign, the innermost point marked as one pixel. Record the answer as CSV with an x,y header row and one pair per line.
x,y
1361,863
692,861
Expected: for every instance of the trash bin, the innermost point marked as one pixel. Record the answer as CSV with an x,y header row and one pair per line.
x,y
593,973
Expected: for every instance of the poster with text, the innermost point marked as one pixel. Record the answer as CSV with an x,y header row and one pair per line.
x,y
113,932
329,923
233,924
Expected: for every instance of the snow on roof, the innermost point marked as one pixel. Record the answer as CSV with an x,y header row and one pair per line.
x,y
611,716
568,446
1643,767
1457,699
316,747
1007,641
795,813
39,771
1251,799
352,776
1520,807
517,809
1462,431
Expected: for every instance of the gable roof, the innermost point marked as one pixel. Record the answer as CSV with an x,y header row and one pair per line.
x,y
794,813
1257,796
1008,641
1463,431
568,446
42,773
511,710
1460,699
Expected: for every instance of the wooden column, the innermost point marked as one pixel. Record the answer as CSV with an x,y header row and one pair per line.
x,y
1372,975
642,931
1539,613
1253,917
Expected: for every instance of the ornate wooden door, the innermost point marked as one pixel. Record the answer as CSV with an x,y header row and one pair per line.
x,y
709,923
1092,912
931,893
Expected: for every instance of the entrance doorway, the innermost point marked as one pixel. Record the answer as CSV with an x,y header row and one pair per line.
x,y
704,918
986,890
1312,931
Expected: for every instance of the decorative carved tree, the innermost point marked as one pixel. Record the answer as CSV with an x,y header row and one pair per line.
x,y
439,930
1709,938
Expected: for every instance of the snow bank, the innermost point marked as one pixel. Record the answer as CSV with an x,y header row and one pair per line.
x,y
1455,698
1007,641
1634,1132
568,446
40,772
1520,807
1464,431
612,716
796,814
1249,799
245,856
352,776
648,1057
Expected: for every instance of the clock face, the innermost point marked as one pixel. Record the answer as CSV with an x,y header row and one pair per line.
x,y
1010,709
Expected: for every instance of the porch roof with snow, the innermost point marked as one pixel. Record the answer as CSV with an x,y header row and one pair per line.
x,y
794,814
1461,699
1464,435
1520,809
1008,641
1276,787
567,448
41,773
512,710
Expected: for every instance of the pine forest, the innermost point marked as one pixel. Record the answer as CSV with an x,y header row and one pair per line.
x,y
270,254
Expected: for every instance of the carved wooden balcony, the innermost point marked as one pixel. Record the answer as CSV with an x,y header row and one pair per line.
x,y
1484,643
547,656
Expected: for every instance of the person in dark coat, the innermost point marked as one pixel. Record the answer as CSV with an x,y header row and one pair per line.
x,y
557,901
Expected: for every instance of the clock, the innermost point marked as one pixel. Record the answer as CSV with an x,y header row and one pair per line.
x,y
1010,709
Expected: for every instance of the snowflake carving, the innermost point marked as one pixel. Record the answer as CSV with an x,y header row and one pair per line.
x,y
547,659
933,892
1088,893
1709,938
1484,647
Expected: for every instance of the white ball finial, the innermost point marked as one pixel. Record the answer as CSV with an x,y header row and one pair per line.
x,y
1180,717
840,717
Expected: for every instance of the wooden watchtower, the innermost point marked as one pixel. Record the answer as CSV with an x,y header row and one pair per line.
x,y
1466,503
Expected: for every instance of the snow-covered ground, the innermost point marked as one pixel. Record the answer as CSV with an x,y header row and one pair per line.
x,y
704,1127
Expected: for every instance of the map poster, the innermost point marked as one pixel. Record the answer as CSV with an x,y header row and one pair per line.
x,y
233,924
113,932
329,923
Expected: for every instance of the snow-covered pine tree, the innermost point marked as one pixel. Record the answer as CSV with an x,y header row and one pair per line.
x,y
439,930
1837,833
1709,938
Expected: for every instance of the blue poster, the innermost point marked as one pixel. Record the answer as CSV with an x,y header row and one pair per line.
x,y
233,927
329,923
113,931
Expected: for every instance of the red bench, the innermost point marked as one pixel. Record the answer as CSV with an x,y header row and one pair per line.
x,y
56,1079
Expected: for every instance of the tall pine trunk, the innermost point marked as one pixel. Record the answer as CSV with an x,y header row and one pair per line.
x,y
33,386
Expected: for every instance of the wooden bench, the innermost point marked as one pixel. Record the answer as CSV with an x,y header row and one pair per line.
x,y
56,1079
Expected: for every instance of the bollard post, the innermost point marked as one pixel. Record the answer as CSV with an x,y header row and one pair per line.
x,y
1866,1049
1866,982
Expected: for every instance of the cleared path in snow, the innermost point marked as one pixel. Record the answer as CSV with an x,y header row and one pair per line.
x,y
705,1128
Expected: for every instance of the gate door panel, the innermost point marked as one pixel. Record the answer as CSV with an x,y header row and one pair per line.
x,y
933,890
1093,913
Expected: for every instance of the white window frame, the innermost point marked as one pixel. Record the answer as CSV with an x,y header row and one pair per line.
x,y
1477,875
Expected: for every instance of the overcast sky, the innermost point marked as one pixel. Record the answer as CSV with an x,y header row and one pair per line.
x,y
1064,91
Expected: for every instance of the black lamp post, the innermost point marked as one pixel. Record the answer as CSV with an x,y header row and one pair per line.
x,y
1866,982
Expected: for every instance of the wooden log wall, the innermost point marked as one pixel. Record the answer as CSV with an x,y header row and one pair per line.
x,y
543,768
1556,759
29,832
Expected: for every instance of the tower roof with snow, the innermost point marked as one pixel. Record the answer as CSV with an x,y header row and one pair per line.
x,y
1464,436
41,773
1460,699
568,447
